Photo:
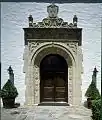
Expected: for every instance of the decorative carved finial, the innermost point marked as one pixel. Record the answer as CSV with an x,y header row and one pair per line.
x,y
10,71
94,76
52,10
30,19
75,20
95,71
11,74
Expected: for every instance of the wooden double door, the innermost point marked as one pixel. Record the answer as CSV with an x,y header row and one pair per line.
x,y
53,79
54,87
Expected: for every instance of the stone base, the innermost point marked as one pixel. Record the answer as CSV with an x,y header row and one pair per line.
x,y
53,104
50,113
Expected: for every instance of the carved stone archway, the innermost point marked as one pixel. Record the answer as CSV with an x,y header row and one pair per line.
x,y
34,70
52,36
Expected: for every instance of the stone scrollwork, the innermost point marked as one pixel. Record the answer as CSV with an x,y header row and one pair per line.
x,y
47,22
70,91
73,46
36,83
33,45
52,21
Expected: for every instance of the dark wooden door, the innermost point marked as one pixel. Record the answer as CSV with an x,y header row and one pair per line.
x,y
54,87
47,88
60,87
53,79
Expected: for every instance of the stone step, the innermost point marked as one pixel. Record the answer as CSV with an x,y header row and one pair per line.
x,y
53,104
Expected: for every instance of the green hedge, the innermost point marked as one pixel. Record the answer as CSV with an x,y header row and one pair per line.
x,y
96,109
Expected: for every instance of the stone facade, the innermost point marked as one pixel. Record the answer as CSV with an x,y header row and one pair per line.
x,y
52,39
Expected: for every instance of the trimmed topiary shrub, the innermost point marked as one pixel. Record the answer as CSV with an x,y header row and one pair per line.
x,y
92,92
8,94
96,109
8,90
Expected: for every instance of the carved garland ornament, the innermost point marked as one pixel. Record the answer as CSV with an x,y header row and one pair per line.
x,y
33,45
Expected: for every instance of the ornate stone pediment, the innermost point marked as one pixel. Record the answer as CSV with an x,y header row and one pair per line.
x,y
52,21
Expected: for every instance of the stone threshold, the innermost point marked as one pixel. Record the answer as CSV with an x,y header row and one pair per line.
x,y
53,104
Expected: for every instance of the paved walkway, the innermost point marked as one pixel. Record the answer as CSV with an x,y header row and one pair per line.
x,y
46,113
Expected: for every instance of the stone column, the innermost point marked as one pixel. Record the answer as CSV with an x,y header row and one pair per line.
x,y
77,80
29,86
36,85
74,78
28,70
70,86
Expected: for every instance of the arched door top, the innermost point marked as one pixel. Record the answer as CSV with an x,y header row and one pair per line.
x,y
53,62
47,49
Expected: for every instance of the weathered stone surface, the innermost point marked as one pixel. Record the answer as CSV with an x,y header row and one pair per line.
x,y
49,34
73,58
47,113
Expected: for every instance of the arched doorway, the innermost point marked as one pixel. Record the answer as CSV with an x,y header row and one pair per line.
x,y
53,79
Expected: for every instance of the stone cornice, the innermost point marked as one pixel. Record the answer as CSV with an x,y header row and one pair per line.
x,y
61,34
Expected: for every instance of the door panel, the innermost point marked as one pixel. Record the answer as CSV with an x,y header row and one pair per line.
x,y
47,88
54,87
48,94
59,81
48,82
60,88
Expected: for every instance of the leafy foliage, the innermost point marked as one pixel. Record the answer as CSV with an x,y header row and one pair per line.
x,y
96,109
8,90
92,92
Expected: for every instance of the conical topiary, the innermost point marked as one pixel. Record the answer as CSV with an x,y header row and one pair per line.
x,y
92,92
8,90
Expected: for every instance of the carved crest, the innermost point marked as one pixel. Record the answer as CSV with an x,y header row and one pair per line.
x,y
52,10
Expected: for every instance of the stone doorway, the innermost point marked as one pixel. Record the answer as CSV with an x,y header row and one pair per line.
x,y
53,79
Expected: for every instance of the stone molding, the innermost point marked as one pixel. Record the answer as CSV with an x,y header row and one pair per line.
x,y
32,45
60,45
32,76
73,46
